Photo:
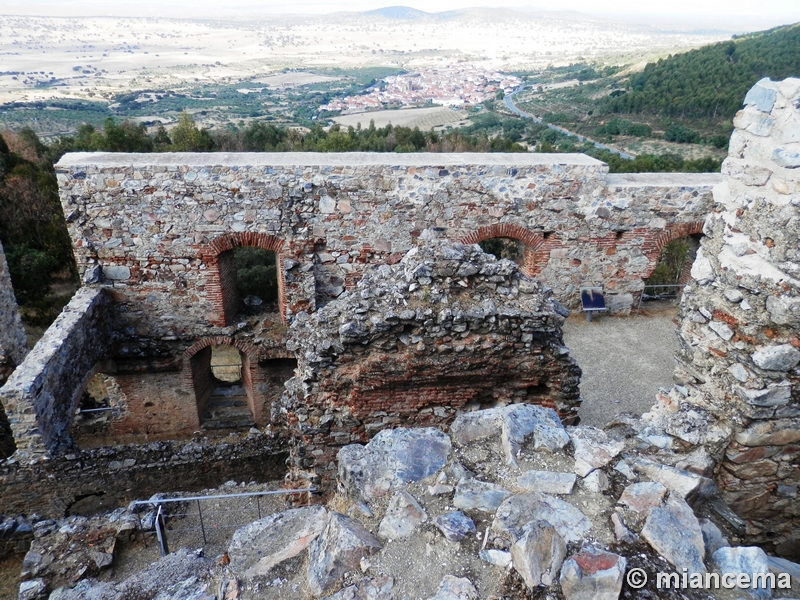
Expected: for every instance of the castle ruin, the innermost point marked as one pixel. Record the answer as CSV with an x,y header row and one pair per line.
x,y
155,239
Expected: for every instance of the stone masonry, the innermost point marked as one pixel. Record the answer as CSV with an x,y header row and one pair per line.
x,y
154,226
740,329
13,347
42,394
447,328
13,343
154,232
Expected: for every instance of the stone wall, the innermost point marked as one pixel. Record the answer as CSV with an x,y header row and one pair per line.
x,y
42,394
156,226
448,328
13,343
135,472
154,231
740,329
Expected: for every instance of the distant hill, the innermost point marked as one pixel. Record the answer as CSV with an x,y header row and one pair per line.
x,y
711,81
405,13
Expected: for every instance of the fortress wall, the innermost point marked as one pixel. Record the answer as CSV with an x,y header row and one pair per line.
x,y
136,472
152,226
739,360
446,329
13,343
153,229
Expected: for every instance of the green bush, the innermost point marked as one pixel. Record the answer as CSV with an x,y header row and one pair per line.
x,y
670,265
30,272
681,135
256,273
503,248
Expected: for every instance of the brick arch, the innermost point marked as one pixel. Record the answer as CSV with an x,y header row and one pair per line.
x,y
218,293
222,340
673,231
531,261
197,369
229,241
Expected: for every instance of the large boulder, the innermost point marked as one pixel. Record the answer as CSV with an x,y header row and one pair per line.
x,y
592,575
515,512
258,547
455,526
393,458
338,550
455,588
674,532
741,560
403,516
472,494
593,449
514,425
537,553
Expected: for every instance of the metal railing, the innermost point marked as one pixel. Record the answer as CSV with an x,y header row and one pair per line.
x,y
670,291
212,523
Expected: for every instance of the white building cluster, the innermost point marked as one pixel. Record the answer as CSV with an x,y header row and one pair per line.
x,y
450,86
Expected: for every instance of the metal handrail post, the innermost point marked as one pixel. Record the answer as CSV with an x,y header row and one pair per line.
x,y
161,532
202,527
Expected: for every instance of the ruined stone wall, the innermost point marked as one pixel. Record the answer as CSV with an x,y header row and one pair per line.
x,y
42,394
13,343
135,472
446,329
154,226
740,331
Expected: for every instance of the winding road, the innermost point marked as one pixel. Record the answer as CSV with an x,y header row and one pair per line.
x,y
512,107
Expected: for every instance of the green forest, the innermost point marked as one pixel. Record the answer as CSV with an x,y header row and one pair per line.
x,y
687,99
711,81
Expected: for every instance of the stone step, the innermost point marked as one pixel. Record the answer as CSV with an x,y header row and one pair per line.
x,y
237,401
228,390
228,411
228,423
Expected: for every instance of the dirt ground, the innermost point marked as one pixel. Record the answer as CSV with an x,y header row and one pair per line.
x,y
624,360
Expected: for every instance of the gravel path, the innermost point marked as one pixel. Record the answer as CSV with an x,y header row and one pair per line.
x,y
624,360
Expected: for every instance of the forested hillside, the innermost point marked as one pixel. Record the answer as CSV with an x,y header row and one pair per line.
x,y
710,82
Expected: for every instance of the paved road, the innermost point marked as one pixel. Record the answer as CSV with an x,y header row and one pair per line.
x,y
624,360
513,108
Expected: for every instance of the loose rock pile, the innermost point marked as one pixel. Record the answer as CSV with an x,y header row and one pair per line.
x,y
422,514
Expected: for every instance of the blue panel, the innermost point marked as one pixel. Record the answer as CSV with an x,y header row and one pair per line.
x,y
592,298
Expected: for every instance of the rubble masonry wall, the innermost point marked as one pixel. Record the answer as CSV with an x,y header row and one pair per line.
x,y
13,343
42,394
740,331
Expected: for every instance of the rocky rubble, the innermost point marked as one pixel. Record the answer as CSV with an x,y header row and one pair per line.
x,y
391,531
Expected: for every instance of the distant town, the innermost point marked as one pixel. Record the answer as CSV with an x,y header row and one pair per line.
x,y
450,86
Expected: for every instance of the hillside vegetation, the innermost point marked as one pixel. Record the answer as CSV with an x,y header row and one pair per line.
x,y
682,104
711,81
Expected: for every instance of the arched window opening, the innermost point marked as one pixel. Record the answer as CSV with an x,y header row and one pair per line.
x,y
673,269
501,247
249,281
223,388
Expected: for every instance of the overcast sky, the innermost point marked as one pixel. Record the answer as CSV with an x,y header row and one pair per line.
x,y
772,12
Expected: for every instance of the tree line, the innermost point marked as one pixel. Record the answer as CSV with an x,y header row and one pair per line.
x,y
260,136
